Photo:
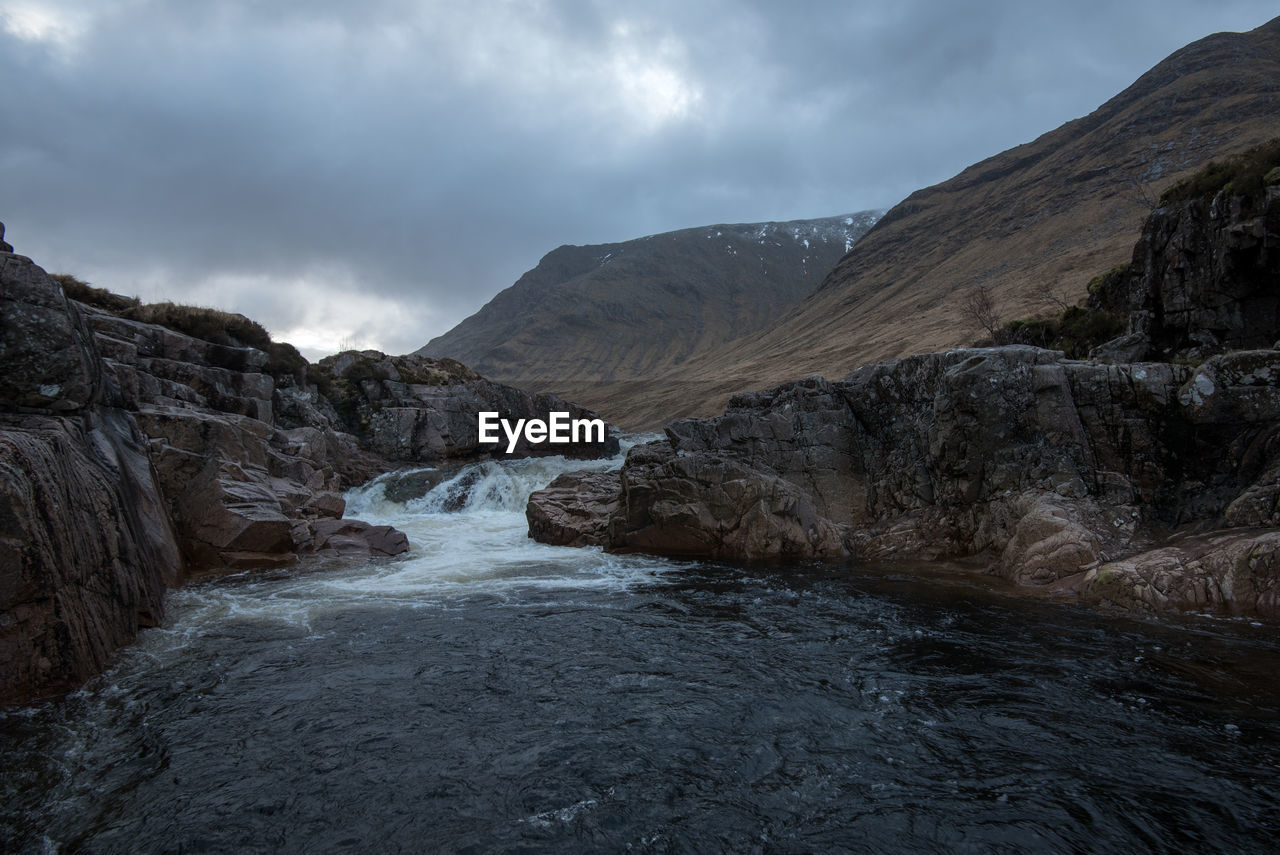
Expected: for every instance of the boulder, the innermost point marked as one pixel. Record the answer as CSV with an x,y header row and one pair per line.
x,y
349,537
1232,571
575,509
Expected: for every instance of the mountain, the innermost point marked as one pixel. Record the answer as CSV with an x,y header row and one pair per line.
x,y
626,311
1047,215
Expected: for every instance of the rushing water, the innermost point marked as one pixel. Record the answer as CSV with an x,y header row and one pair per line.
x,y
485,693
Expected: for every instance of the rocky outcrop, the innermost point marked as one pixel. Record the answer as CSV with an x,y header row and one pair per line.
x,y
1152,484
1203,278
86,549
1049,467
132,454
418,409
1235,570
235,484
575,509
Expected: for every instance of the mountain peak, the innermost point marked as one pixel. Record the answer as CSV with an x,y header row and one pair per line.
x,y
619,311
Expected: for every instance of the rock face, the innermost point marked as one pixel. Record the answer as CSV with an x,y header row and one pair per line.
x,y
575,509
418,409
132,454
86,549
1203,278
234,483
1050,467
1152,484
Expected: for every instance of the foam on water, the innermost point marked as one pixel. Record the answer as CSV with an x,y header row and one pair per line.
x,y
468,537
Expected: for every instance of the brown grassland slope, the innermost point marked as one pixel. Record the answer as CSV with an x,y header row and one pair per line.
x,y
635,309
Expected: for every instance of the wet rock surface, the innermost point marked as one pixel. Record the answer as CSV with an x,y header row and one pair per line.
x,y
1049,467
86,548
575,509
1147,484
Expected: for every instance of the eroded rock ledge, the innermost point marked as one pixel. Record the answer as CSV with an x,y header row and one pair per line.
x,y
1052,468
132,454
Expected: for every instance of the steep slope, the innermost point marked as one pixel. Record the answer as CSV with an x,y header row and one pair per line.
x,y
1049,213
629,310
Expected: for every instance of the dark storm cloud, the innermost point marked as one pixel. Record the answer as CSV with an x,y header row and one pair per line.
x,y
376,171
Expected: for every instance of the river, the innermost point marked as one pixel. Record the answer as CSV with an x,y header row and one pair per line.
x,y
485,693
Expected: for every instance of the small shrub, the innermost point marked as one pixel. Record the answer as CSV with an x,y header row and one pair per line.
x,y
210,325
360,371
1108,280
1080,330
283,360
1075,332
1040,332
349,412
100,298
979,308
1244,174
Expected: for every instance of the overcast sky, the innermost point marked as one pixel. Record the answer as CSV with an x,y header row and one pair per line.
x,y
373,172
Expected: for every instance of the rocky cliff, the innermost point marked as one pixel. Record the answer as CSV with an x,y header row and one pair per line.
x,y
132,453
1147,484
1202,279
1051,469
86,549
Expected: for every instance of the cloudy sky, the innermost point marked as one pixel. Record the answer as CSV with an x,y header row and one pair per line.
x,y
370,173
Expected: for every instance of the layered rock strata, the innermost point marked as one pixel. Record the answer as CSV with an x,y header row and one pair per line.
x,y
418,409
86,549
1052,468
239,490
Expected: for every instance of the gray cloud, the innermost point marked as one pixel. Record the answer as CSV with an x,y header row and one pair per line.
x,y
374,172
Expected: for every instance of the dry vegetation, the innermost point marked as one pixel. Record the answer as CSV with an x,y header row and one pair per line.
x,y
211,325
1245,174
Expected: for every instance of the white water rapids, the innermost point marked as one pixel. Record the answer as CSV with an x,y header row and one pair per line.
x,y
468,536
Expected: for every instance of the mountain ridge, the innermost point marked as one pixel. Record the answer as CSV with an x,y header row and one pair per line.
x,y
632,308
